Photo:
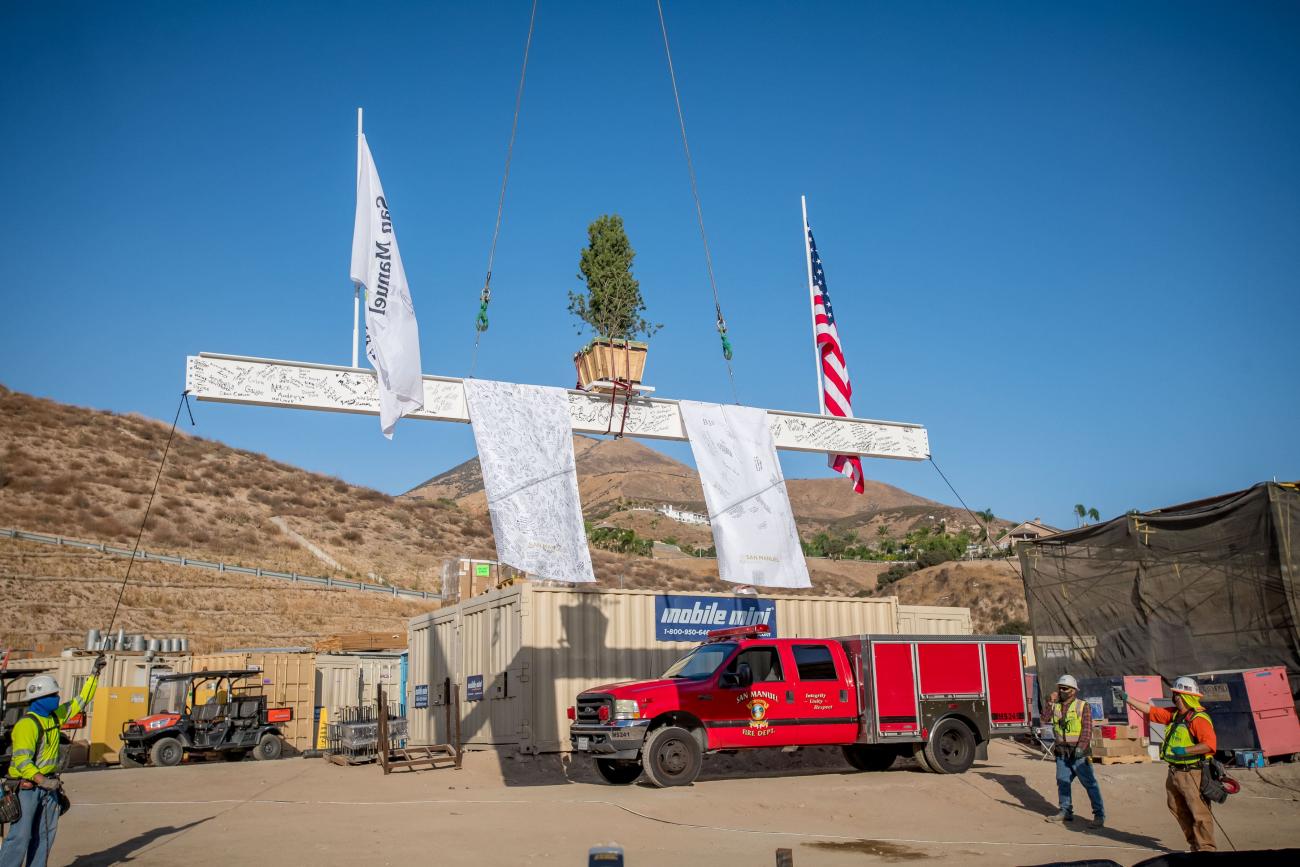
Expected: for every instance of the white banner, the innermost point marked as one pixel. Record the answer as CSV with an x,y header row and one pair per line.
x,y
753,526
525,449
392,336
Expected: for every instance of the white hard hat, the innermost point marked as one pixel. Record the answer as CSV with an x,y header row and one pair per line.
x,y
1186,686
41,685
1067,680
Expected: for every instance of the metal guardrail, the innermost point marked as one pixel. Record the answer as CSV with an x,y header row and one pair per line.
x,y
258,572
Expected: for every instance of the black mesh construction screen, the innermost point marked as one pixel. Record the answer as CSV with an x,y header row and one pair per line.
x,y
1201,587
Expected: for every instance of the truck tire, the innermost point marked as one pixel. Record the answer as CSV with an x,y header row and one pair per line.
x,y
166,752
951,748
268,748
671,757
618,772
919,755
865,757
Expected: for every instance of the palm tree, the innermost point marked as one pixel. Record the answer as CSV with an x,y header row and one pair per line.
x,y
1080,513
987,517
1094,515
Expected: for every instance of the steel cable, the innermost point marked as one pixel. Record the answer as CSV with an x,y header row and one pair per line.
x,y
699,209
185,402
481,322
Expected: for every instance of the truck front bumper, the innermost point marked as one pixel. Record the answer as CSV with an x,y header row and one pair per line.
x,y
621,739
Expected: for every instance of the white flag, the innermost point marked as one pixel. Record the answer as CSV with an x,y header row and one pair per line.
x,y
753,526
392,336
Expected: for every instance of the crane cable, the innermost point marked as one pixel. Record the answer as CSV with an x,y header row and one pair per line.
x,y
184,404
699,209
485,297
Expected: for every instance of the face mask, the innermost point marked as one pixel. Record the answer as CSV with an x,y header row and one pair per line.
x,y
45,705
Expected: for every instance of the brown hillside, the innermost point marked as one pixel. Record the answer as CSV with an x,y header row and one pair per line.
x,y
991,589
614,474
87,473
67,591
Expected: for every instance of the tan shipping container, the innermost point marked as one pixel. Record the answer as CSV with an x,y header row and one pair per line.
x,y
933,620
288,680
350,679
536,648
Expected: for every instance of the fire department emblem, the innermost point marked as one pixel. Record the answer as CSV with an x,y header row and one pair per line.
x,y
758,713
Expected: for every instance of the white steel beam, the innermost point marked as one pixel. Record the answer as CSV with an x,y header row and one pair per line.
x,y
333,388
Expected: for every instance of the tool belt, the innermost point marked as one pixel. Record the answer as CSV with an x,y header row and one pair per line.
x,y
1186,767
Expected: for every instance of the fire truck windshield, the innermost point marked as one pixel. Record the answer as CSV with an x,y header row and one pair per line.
x,y
701,662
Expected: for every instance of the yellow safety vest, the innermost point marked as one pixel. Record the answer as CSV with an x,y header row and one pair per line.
x,y
1070,726
1179,734
36,740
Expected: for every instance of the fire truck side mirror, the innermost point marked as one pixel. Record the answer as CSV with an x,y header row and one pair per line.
x,y
741,678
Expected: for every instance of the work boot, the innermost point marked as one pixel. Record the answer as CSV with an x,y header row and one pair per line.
x,y
1060,817
1097,822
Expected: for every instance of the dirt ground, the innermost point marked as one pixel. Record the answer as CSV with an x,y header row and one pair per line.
x,y
546,811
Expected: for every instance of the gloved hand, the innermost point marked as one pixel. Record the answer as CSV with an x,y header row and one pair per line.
x,y
1178,751
1123,696
1076,754
100,662
49,784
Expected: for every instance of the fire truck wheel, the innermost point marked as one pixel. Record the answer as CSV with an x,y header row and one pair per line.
x,y
951,749
618,772
268,748
919,755
166,752
869,758
671,757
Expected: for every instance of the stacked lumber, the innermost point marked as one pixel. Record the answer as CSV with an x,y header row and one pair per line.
x,y
361,642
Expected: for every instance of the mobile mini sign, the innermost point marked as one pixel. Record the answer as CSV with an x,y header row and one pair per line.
x,y
692,618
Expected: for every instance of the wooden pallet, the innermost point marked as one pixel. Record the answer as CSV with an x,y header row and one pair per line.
x,y
421,757
1121,760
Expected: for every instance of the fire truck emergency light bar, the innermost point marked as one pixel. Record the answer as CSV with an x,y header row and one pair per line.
x,y
739,632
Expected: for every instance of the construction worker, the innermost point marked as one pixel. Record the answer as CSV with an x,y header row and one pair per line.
x,y
1072,724
35,766
1189,739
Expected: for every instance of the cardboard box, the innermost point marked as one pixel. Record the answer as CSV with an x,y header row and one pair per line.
x,y
1113,748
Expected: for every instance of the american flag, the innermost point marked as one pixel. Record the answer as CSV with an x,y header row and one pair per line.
x,y
836,388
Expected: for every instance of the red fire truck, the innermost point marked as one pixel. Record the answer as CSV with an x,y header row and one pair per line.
x,y
935,697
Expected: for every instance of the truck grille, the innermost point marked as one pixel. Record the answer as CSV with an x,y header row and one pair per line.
x,y
589,707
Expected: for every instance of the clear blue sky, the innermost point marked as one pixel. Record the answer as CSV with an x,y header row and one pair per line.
x,y
1065,237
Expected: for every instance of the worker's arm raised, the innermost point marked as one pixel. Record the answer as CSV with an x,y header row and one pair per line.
x,y
1137,704
82,700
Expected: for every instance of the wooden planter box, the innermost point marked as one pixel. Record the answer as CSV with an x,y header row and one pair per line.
x,y
611,360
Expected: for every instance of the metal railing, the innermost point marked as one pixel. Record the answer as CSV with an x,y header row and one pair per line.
x,y
256,571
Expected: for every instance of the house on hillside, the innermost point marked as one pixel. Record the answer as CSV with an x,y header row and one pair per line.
x,y
1026,531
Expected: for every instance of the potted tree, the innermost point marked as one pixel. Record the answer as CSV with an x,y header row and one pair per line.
x,y
611,307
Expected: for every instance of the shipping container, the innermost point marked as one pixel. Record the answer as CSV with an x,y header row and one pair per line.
x,y
350,679
120,696
518,656
933,620
287,680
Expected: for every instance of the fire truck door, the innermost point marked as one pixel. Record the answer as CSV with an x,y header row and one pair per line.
x,y
823,695
760,715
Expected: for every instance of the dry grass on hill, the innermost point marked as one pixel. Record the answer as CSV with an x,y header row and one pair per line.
x,y
991,589
53,595
87,473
